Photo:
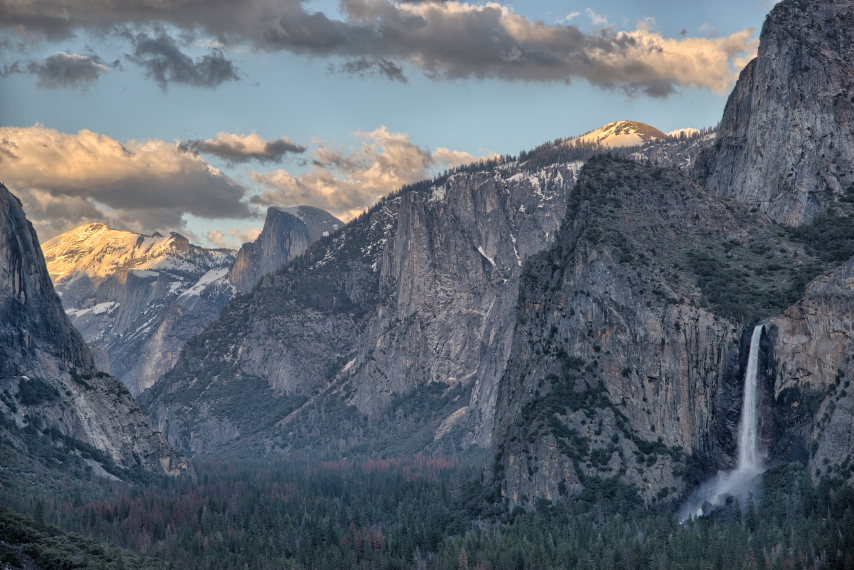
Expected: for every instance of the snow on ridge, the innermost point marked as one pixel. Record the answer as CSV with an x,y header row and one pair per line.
x,y
204,282
688,132
99,309
438,194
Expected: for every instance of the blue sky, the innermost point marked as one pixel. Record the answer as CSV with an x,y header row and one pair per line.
x,y
473,104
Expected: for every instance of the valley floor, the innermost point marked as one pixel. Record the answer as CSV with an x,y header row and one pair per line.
x,y
417,513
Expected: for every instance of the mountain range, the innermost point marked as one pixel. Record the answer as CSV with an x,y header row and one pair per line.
x,y
582,311
138,299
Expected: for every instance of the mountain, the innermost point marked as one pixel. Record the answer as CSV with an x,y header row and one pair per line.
x,y
57,409
391,332
680,151
138,299
627,362
287,233
608,356
135,298
632,333
621,134
786,141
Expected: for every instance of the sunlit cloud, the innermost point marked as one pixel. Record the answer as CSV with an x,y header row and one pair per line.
x,y
232,239
345,181
64,179
235,148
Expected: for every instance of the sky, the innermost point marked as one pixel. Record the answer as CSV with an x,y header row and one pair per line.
x,y
196,115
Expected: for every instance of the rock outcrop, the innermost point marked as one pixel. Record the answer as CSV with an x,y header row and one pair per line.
x,y
55,404
812,355
786,141
287,233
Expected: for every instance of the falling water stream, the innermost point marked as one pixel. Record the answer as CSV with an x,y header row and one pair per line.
x,y
742,481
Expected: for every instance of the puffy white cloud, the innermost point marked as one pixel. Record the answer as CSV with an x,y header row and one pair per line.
x,y
345,181
65,179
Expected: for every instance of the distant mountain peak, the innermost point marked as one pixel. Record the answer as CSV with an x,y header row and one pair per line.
x,y
287,233
621,134
100,251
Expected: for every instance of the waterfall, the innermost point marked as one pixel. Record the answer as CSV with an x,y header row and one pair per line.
x,y
742,481
749,456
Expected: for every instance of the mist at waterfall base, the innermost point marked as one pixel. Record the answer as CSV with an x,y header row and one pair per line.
x,y
743,482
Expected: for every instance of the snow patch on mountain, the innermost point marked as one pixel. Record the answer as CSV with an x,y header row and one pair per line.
x,y
99,309
688,132
209,278
621,134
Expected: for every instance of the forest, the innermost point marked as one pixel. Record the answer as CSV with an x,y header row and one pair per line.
x,y
421,513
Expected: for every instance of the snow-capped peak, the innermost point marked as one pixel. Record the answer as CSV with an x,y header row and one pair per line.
x,y
621,134
99,251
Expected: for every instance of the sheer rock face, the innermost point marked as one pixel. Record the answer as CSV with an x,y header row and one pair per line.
x,y
811,352
48,380
619,368
287,233
786,141
137,299
410,305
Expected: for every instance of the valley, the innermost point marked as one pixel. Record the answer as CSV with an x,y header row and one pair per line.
x,y
625,348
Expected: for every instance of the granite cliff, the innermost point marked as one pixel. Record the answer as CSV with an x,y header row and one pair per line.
x,y
56,406
786,141
394,329
628,358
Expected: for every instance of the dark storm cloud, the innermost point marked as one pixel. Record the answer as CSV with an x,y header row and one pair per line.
x,y
243,148
161,58
62,70
447,40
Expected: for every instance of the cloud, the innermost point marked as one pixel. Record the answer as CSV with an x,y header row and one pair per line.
x,y
236,148
596,19
346,181
569,17
163,61
65,179
447,40
232,239
373,67
62,70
